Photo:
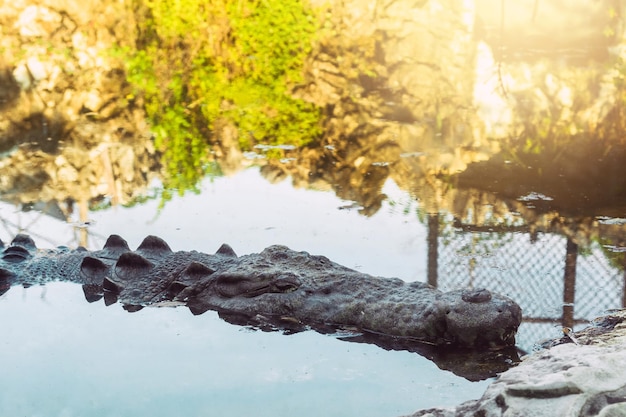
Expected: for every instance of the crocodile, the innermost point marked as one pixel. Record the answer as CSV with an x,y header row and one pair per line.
x,y
278,285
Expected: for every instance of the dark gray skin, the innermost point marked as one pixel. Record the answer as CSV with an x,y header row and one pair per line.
x,y
276,285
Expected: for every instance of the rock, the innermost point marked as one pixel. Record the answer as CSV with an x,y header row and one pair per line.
x,y
584,379
37,21
22,77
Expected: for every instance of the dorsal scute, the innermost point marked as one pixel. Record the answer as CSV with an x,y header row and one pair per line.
x,y
154,245
24,241
6,274
108,285
16,254
131,265
93,269
116,242
226,250
92,292
174,289
114,247
196,270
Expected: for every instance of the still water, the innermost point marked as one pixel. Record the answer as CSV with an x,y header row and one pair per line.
x,y
63,356
459,143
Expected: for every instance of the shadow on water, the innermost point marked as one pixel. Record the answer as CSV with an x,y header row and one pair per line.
x,y
471,365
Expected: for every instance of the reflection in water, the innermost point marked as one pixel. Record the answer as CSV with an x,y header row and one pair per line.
x,y
93,360
386,113
473,366
462,254
502,122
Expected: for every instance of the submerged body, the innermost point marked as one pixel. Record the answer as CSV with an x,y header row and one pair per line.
x,y
276,285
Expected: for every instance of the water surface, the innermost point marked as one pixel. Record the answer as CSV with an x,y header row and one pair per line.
x,y
463,144
97,360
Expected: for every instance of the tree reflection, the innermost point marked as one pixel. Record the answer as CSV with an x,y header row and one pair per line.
x,y
211,66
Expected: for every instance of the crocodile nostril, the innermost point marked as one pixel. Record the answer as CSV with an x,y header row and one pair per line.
x,y
479,295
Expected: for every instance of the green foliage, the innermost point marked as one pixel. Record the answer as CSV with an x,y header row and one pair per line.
x,y
202,64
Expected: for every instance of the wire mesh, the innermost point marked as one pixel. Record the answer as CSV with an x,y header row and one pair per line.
x,y
530,269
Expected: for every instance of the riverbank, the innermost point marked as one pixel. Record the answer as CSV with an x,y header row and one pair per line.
x,y
584,377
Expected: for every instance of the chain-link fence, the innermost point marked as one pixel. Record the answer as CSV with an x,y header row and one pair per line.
x,y
556,282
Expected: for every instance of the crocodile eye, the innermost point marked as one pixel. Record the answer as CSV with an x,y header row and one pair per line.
x,y
230,285
285,286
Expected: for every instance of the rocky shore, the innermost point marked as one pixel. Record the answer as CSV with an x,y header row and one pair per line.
x,y
580,375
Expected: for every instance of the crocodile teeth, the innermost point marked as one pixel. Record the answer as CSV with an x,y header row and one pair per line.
x,y
154,246
131,265
226,250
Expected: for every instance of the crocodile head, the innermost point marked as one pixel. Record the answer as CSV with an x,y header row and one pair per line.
x,y
281,283
481,319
